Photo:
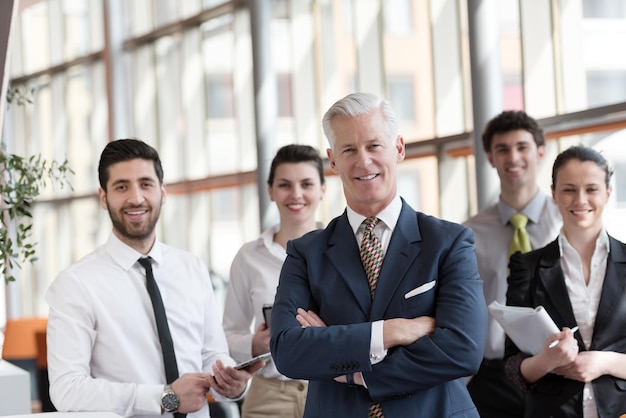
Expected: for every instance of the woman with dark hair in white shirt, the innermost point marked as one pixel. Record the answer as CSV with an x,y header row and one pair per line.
x,y
296,185
580,280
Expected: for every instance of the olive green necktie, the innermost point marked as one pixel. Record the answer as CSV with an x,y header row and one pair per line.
x,y
520,241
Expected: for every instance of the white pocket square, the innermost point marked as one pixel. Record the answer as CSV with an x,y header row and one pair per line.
x,y
420,289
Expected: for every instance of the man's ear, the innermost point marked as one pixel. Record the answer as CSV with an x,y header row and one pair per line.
x,y
401,148
103,198
490,159
331,159
541,152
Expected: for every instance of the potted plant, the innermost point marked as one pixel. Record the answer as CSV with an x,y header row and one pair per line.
x,y
21,181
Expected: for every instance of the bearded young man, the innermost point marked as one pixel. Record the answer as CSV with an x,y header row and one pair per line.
x,y
104,346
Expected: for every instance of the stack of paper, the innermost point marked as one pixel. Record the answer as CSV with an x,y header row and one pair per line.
x,y
529,328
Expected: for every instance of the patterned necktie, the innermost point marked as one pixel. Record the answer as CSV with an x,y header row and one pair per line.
x,y
372,258
167,345
371,253
520,241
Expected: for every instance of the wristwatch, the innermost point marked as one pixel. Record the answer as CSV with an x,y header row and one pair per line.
x,y
169,400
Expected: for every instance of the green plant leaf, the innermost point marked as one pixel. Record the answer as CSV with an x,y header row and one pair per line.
x,y
21,182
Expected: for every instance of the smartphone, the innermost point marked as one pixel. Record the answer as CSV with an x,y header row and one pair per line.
x,y
267,314
260,357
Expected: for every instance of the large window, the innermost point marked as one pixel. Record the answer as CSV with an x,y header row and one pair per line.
x,y
180,75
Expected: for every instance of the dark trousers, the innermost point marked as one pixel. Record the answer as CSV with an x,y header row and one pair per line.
x,y
493,393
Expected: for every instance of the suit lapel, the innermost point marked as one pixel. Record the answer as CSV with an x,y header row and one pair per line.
x,y
398,258
612,291
343,252
551,277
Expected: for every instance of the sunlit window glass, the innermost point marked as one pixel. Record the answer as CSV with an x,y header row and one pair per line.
x,y
401,96
398,17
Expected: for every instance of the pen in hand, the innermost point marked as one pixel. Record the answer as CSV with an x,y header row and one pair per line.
x,y
556,342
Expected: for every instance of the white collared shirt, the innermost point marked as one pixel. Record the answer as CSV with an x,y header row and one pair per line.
x,y
384,229
254,275
104,352
585,298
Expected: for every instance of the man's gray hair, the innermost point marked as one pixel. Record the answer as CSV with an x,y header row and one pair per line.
x,y
357,104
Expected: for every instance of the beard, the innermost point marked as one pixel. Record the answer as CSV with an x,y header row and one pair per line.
x,y
135,231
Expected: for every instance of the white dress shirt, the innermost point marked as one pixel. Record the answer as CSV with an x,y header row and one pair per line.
x,y
254,275
585,298
492,237
104,352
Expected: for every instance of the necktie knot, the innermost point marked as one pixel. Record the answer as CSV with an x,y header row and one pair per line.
x,y
521,240
370,224
146,262
519,220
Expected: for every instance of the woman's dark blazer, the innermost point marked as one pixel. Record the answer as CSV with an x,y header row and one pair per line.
x,y
536,278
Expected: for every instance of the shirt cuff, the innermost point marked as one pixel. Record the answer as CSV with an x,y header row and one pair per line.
x,y
362,379
148,399
377,347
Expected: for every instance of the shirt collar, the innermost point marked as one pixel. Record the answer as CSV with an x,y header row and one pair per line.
x,y
389,216
532,210
126,256
602,242
267,236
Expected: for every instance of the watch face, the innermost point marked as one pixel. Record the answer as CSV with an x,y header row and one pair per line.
x,y
169,402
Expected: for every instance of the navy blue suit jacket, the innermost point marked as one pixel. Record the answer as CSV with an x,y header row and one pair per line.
x,y
536,278
323,272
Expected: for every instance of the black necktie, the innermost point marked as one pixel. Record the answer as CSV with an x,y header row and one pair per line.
x,y
167,345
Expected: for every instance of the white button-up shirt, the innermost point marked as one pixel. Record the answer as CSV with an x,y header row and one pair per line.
x,y
585,297
104,352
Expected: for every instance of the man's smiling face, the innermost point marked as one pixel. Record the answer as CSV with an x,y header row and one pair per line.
x,y
516,158
133,198
366,159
